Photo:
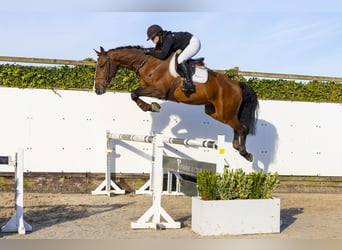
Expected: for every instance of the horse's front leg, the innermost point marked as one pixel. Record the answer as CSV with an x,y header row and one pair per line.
x,y
153,107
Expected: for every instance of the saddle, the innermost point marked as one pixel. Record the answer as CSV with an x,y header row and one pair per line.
x,y
193,63
198,69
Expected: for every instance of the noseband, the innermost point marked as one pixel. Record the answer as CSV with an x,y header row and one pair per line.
x,y
106,79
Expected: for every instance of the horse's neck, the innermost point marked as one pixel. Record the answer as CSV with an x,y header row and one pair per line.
x,y
129,59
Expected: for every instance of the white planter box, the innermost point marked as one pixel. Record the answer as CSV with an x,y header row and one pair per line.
x,y
218,217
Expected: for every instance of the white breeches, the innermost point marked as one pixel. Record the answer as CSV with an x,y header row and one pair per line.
x,y
191,50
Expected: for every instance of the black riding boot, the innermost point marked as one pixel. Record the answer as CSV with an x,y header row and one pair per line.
x,y
188,85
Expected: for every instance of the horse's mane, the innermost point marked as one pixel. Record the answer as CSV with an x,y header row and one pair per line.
x,y
127,47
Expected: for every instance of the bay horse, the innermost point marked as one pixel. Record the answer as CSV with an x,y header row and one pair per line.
x,y
228,101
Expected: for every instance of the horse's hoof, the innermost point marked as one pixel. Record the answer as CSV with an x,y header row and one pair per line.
x,y
155,107
249,157
246,155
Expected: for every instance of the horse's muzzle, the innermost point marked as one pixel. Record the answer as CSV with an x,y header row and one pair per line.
x,y
99,89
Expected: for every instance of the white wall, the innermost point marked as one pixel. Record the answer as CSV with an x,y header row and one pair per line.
x,y
66,131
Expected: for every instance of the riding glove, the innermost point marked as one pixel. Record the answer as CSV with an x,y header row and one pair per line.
x,y
147,51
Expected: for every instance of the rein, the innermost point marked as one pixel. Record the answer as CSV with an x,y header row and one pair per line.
x,y
141,64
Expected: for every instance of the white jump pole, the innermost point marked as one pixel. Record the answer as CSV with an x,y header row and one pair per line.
x,y
17,222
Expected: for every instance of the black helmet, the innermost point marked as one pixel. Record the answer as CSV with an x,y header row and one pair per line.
x,y
153,30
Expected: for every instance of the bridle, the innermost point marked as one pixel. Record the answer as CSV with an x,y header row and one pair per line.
x,y
106,78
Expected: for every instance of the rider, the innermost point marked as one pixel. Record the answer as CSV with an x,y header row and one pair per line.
x,y
167,42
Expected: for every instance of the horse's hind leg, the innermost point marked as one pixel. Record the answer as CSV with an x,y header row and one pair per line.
x,y
239,140
240,131
242,149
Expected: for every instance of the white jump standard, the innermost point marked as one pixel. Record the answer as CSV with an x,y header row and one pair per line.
x,y
108,186
17,223
152,217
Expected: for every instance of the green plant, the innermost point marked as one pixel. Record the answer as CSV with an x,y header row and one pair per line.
x,y
271,183
232,185
206,184
236,184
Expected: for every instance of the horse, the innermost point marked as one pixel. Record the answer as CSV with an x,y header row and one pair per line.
x,y
226,100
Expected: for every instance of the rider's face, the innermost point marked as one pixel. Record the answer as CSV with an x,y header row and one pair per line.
x,y
155,39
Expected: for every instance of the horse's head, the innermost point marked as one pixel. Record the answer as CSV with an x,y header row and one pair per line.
x,y
105,71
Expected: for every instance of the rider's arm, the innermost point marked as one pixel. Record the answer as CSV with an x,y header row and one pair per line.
x,y
164,51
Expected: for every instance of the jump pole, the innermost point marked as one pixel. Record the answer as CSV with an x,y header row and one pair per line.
x,y
17,222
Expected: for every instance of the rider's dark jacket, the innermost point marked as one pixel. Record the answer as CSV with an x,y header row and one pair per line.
x,y
170,42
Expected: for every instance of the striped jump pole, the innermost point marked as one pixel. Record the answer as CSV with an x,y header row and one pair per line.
x,y
218,145
167,140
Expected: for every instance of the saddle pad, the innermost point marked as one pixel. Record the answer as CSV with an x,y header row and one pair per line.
x,y
200,75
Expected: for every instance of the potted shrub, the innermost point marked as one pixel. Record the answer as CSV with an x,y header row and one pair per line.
x,y
235,203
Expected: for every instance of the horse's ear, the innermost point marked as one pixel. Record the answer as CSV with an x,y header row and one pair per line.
x,y
101,52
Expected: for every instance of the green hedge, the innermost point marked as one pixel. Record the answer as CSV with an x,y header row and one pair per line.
x,y
290,90
81,77
236,184
62,77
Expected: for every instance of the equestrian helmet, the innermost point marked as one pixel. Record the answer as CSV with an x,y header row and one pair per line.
x,y
153,30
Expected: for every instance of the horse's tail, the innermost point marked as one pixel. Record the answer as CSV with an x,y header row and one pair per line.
x,y
248,113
